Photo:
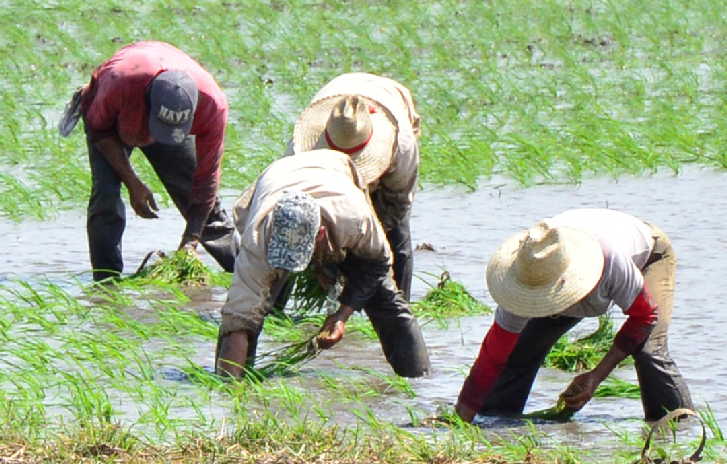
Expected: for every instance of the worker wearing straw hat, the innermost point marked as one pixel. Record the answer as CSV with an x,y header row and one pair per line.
x,y
546,279
153,96
311,209
372,119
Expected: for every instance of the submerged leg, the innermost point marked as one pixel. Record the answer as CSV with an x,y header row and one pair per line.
x,y
663,388
399,332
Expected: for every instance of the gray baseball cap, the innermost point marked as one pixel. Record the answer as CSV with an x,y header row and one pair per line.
x,y
173,101
296,220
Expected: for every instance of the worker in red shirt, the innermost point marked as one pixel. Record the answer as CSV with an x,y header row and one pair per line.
x,y
153,96
548,278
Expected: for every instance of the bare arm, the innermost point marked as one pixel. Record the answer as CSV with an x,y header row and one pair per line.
x,y
334,327
141,197
581,389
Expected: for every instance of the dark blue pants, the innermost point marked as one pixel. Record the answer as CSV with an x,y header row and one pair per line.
x,y
399,238
106,218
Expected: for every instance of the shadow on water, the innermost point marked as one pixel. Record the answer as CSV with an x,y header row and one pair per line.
x,y
463,230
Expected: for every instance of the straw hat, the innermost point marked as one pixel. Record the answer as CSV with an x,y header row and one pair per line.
x,y
544,270
352,124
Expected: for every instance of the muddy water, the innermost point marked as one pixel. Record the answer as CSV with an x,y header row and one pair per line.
x,y
464,229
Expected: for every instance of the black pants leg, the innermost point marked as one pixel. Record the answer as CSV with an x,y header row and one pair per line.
x,y
513,386
400,241
106,217
175,166
399,332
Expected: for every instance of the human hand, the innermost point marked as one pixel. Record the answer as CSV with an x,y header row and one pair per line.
x,y
580,391
465,412
189,244
142,200
334,328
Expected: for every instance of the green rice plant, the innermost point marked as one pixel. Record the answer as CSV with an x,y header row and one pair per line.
x,y
583,353
615,387
283,328
350,389
447,299
558,413
307,296
707,415
284,360
390,383
181,268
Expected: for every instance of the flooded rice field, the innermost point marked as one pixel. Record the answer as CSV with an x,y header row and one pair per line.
x,y
463,229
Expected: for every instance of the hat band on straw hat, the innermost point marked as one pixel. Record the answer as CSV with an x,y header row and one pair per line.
x,y
348,151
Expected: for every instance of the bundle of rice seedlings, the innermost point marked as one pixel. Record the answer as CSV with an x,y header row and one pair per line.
x,y
180,267
285,360
448,299
307,296
559,413
615,387
583,353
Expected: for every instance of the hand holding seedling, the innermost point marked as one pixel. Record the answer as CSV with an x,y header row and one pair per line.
x,y
142,200
189,244
580,391
334,327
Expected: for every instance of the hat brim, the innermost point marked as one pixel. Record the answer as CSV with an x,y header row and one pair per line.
x,y
168,134
371,162
579,278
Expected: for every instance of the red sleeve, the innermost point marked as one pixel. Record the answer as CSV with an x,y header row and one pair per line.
x,y
642,316
209,145
494,352
102,111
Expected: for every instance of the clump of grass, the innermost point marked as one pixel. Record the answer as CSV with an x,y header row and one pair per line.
x,y
583,353
181,268
284,360
448,299
559,413
615,387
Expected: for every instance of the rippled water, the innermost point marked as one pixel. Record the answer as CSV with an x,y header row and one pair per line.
x,y
464,229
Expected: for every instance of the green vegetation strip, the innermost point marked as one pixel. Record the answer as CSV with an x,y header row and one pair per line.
x,y
536,91
113,373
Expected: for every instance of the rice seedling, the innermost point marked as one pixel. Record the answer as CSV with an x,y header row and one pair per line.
x,y
181,267
707,415
284,360
565,96
447,299
615,387
569,91
558,413
583,353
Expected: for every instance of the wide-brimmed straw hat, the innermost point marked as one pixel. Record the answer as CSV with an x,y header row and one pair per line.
x,y
544,270
352,124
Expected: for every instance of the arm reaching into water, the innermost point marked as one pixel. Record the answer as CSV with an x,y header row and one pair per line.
x,y
629,340
495,349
